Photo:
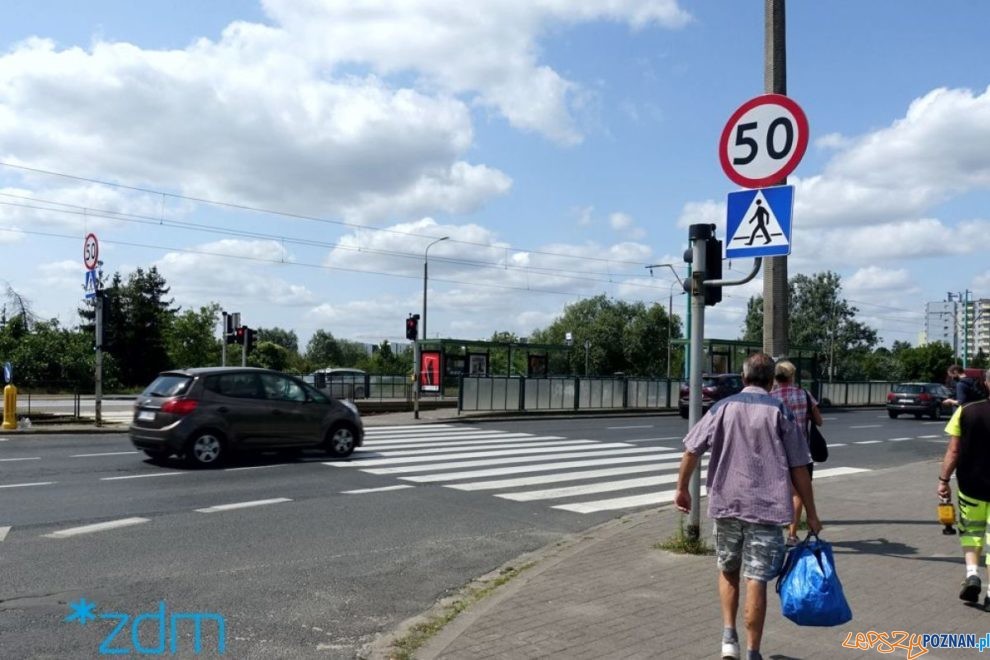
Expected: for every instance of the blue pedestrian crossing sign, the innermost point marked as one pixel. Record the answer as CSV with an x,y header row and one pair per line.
x,y
758,222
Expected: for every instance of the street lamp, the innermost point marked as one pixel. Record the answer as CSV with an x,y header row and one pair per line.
x,y
670,319
416,353
426,257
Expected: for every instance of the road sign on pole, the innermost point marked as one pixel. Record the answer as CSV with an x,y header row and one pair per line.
x,y
758,222
763,141
91,251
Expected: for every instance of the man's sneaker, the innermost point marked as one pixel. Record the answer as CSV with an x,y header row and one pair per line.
x,y
730,650
971,589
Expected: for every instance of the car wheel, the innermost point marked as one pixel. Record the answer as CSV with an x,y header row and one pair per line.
x,y
917,415
156,455
206,449
340,441
892,414
683,412
936,412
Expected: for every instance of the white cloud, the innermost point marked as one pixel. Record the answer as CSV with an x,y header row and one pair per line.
x,y
875,278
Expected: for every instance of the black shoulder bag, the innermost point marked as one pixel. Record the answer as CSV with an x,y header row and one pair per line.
x,y
819,448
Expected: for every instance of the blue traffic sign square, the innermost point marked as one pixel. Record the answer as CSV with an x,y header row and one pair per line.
x,y
758,222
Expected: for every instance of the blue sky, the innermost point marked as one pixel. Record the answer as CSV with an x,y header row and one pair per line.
x,y
562,146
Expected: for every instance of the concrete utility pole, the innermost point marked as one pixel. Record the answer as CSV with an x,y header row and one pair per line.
x,y
776,319
98,380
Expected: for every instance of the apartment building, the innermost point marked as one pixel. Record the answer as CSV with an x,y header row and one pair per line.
x,y
963,325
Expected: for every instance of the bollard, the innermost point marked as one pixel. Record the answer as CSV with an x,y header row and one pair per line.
x,y
10,407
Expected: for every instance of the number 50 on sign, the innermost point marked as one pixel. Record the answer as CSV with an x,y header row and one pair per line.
x,y
763,141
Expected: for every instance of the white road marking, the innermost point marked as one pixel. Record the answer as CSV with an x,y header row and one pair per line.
x,y
493,461
867,442
867,426
623,502
4,439
925,437
413,428
514,445
242,505
35,483
497,484
588,489
254,467
26,458
837,471
459,442
836,444
109,453
402,438
898,439
484,454
98,527
617,428
361,491
142,476
3,532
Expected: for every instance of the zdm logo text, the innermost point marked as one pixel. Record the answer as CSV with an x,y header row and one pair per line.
x,y
152,633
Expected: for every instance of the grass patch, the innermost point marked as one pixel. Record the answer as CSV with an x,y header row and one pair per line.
x,y
682,544
404,647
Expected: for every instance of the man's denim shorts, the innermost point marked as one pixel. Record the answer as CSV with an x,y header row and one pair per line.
x,y
757,547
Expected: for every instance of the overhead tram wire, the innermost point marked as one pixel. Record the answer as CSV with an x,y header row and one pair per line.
x,y
275,261
152,221
286,214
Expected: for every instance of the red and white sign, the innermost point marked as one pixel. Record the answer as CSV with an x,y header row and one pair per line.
x,y
91,252
763,141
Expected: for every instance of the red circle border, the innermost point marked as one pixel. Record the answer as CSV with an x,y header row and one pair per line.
x,y
802,143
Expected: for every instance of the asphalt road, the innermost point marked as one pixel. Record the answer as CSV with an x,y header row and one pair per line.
x,y
316,557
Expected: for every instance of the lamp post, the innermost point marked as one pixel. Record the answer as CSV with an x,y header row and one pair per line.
x,y
416,368
426,258
670,320
670,311
587,347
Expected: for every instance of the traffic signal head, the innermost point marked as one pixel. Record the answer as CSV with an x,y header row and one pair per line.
x,y
412,327
249,339
713,270
239,333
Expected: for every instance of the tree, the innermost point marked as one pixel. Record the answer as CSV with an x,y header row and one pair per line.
x,y
191,338
624,337
385,361
269,355
927,363
284,338
822,319
323,350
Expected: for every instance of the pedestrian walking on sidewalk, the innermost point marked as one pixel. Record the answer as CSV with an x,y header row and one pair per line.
x,y
806,412
968,456
757,455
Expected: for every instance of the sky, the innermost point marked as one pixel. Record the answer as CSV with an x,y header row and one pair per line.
x,y
292,160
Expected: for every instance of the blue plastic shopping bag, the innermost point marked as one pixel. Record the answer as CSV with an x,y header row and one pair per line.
x,y
809,587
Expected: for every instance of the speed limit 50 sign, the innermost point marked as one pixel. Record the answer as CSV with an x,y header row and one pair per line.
x,y
763,141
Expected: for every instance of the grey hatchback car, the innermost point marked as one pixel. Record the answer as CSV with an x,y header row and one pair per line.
x,y
203,415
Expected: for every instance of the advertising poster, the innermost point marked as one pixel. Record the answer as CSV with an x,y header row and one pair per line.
x,y
478,365
537,366
429,371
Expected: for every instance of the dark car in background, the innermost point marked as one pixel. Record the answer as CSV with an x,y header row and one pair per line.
x,y
713,388
918,399
204,415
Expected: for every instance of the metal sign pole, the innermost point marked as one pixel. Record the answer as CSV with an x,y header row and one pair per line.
x,y
98,378
698,234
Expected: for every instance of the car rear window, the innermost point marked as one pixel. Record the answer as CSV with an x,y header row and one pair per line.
x,y
909,389
168,385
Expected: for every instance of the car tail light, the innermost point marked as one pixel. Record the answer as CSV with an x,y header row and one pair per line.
x,y
891,396
180,406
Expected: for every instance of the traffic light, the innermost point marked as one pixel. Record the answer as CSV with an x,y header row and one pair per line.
x,y
249,339
713,270
231,322
412,327
239,333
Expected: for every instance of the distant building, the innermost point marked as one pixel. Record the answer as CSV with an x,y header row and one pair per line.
x,y
965,326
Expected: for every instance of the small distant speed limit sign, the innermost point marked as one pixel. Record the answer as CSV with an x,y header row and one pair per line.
x,y
763,141
91,252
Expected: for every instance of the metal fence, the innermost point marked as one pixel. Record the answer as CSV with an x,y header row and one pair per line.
x,y
516,393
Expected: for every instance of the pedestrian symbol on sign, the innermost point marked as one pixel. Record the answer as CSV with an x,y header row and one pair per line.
x,y
758,222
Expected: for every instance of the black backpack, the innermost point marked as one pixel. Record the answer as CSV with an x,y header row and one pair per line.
x,y
976,389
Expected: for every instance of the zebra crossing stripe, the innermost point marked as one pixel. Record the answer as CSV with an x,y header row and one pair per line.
x,y
522,469
560,442
373,462
837,471
409,428
629,502
505,461
434,437
589,489
467,444
498,484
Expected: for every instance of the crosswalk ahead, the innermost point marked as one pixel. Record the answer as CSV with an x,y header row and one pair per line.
x,y
581,476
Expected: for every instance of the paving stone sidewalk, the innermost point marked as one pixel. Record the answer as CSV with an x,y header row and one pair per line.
x,y
611,594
